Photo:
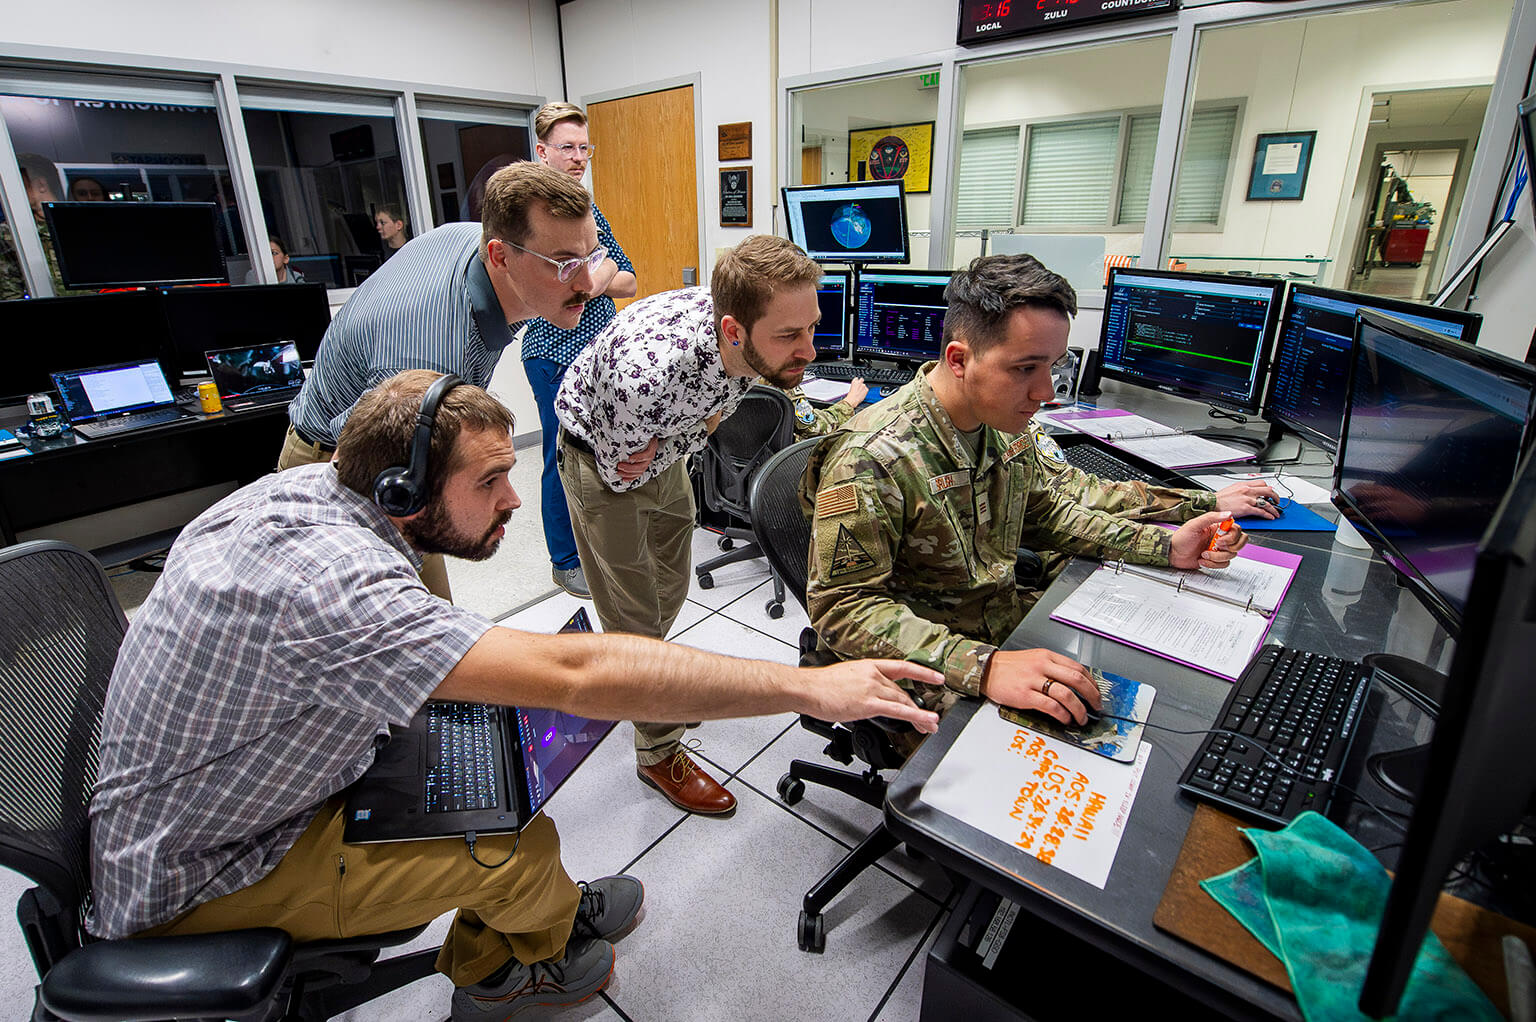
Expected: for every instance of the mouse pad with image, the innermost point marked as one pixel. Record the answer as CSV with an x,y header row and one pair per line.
x,y
1108,736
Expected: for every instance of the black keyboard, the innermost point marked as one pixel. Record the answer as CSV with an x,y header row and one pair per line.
x,y
1292,716
1095,461
137,420
875,377
461,758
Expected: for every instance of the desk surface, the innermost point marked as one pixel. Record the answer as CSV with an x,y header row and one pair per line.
x,y
1343,601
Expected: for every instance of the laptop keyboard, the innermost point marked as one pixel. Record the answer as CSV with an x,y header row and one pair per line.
x,y
461,758
845,371
1286,727
1105,465
138,420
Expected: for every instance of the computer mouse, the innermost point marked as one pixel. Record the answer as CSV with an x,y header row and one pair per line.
x,y
1270,503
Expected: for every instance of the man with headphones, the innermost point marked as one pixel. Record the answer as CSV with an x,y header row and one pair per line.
x,y
451,301
290,629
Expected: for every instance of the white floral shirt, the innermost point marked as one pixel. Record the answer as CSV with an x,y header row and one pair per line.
x,y
654,372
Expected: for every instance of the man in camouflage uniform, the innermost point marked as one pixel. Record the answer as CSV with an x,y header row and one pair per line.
x,y
921,502
41,178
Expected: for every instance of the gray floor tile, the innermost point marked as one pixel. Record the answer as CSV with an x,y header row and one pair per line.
x,y
17,976
691,614
550,614
731,581
906,1001
718,941
752,611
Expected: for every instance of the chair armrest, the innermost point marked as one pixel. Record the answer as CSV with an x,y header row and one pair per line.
x,y
214,974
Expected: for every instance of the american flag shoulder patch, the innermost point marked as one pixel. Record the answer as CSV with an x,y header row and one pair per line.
x,y
837,500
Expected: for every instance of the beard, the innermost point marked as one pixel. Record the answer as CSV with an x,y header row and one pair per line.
x,y
431,532
785,376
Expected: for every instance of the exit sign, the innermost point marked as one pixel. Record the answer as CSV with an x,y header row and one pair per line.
x,y
928,80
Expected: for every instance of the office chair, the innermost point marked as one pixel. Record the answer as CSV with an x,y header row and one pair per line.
x,y
62,630
762,424
784,533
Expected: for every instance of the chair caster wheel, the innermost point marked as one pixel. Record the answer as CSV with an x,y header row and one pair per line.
x,y
727,543
812,933
706,581
775,609
791,789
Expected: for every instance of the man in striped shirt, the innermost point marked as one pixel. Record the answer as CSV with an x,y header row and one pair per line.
x,y
548,350
449,301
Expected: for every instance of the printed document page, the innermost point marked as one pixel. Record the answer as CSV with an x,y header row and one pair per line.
x,y
825,390
1181,451
1243,579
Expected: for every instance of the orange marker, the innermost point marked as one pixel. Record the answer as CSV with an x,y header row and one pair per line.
x,y
1221,530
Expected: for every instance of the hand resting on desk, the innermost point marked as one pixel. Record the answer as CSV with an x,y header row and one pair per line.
x,y
1044,681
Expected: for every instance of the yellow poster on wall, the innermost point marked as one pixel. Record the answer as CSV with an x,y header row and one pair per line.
x,y
902,152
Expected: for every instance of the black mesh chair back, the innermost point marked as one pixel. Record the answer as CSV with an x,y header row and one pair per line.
x,y
62,630
763,423
779,525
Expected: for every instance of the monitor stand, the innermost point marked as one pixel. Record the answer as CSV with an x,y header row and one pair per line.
x,y
1270,451
1402,772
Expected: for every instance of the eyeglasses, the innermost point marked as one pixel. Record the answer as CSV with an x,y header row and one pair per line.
x,y
566,149
565,269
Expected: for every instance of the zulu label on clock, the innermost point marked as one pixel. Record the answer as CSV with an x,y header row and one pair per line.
x,y
1003,19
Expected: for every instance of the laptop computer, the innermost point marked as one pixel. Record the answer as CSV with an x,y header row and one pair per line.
x,y
461,767
110,400
257,374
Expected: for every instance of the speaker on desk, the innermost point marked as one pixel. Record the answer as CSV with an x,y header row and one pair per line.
x,y
1064,377
1088,384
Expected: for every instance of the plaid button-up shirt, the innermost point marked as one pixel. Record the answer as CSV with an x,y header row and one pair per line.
x,y
288,631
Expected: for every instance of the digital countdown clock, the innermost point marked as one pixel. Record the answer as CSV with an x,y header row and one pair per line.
x,y
986,22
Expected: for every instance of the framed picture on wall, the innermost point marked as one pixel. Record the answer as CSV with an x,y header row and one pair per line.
x,y
735,196
1280,163
901,152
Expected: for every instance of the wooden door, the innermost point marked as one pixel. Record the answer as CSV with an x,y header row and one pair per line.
x,y
645,181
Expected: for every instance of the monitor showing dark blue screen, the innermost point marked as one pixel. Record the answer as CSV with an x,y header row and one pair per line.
x,y
863,222
1432,432
900,314
1311,363
46,335
130,244
203,319
1204,336
832,331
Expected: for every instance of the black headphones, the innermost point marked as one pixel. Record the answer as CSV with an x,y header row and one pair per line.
x,y
401,491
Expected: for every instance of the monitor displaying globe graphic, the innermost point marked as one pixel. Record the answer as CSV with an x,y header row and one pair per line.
x,y
850,226
862,222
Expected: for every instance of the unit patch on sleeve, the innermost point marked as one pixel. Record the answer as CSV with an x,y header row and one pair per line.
x,y
848,556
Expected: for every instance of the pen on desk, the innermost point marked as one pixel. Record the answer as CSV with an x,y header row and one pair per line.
x,y
1221,530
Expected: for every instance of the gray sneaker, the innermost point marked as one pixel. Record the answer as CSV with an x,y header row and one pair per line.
x,y
572,580
609,907
524,989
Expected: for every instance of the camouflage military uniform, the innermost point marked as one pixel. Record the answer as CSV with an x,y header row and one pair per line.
x,y
12,283
914,540
813,421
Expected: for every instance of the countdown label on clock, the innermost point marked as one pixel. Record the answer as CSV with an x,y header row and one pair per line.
x,y
1002,19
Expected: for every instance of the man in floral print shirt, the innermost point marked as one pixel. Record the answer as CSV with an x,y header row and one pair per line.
x,y
643,396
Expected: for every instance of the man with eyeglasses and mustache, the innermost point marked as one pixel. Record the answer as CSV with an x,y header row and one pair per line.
x,y
642,397
451,301
549,350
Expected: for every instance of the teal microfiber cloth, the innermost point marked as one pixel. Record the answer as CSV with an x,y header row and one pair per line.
x,y
1314,897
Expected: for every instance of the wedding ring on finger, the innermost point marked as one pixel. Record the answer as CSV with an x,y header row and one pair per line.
x,y
1045,689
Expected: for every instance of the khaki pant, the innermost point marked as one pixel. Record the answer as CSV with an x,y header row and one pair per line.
x,y
297,451
324,890
637,550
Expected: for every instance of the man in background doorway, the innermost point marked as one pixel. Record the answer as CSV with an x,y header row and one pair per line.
x,y
548,350
41,179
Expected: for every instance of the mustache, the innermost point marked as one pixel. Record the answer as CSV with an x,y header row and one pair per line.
x,y
580,298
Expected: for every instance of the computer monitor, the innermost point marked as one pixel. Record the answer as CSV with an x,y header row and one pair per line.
x,y
1433,430
1479,778
1199,335
1312,349
46,335
1527,110
863,222
832,331
136,244
899,315
202,319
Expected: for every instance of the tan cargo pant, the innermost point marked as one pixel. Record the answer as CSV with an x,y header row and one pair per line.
x,y
324,890
297,451
637,550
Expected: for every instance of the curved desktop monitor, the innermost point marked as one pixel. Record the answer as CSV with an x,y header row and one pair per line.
x,y
832,331
136,244
1433,431
1311,361
899,315
1199,335
49,335
863,222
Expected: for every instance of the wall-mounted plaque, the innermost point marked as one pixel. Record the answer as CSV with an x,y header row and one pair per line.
x,y
736,141
735,196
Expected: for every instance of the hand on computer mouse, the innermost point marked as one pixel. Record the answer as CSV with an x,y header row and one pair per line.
x,y
1247,498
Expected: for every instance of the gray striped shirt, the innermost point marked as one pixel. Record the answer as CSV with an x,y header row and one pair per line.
x,y
288,630
431,306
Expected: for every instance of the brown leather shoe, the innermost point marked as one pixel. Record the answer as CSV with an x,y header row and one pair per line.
x,y
680,779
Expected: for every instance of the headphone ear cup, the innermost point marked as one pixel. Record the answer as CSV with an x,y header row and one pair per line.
x,y
396,493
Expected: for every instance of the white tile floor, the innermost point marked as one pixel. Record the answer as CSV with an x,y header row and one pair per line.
x,y
722,895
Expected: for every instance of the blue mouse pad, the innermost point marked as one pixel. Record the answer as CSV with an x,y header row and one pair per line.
x,y
1296,517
